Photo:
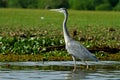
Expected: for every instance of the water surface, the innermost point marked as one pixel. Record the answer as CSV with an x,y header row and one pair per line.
x,y
59,70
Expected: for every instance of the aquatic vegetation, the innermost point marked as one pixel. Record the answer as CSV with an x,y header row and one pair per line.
x,y
22,33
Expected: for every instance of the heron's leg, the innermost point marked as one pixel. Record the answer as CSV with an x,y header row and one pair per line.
x,y
74,63
86,65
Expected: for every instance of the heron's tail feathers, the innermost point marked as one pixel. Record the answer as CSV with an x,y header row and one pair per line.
x,y
95,59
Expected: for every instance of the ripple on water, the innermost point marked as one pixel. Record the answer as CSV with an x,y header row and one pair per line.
x,y
59,70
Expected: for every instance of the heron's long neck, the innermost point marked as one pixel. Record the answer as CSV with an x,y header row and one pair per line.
x,y
65,31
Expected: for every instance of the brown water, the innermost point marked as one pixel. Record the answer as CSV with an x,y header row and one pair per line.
x,y
59,70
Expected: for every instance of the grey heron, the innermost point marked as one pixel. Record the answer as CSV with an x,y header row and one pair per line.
x,y
74,48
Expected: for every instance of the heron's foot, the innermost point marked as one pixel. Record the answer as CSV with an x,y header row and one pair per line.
x,y
84,67
87,67
74,69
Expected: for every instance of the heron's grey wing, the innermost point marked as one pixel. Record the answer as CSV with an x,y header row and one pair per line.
x,y
79,51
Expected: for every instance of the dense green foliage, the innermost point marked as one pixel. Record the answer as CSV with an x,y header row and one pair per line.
x,y
72,4
28,31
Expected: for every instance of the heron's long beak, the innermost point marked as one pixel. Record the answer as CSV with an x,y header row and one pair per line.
x,y
54,9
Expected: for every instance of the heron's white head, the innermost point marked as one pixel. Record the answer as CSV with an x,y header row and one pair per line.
x,y
62,10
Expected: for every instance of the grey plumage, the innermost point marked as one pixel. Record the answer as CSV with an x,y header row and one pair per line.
x,y
74,48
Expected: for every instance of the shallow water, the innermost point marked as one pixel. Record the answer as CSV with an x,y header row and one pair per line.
x,y
59,70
